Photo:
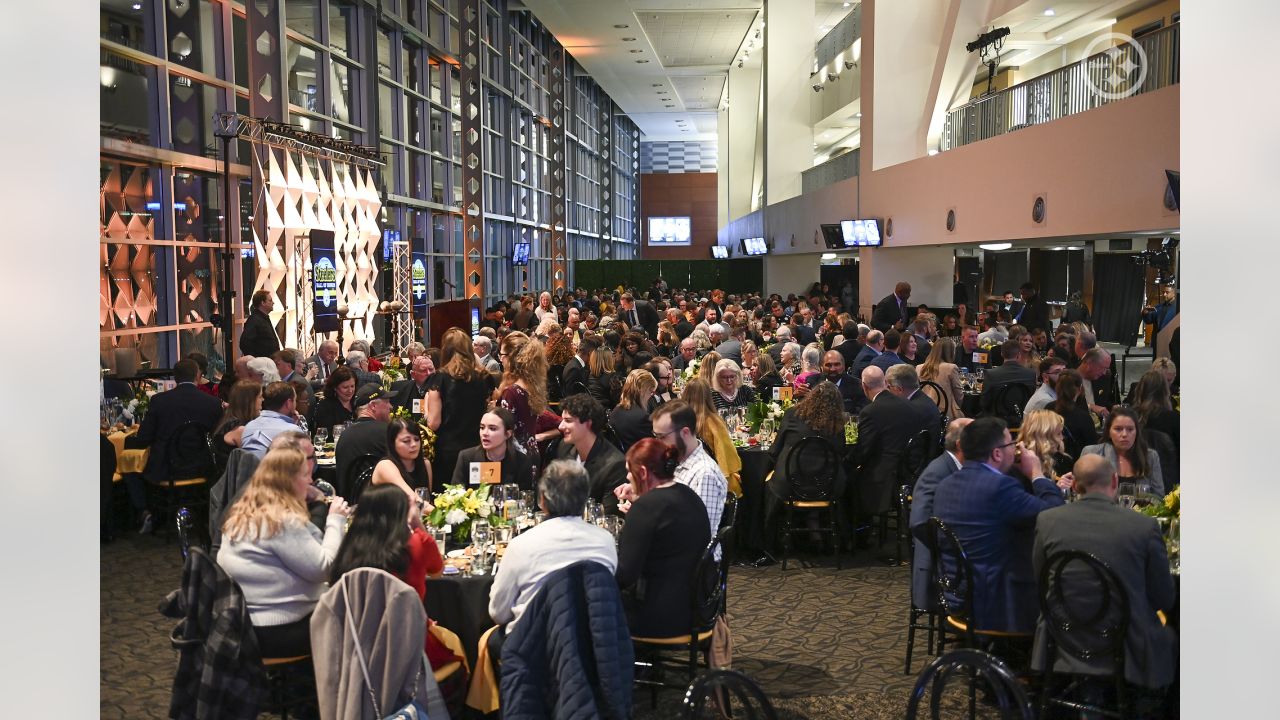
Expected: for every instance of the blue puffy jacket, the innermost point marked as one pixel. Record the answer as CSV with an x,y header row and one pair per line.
x,y
571,657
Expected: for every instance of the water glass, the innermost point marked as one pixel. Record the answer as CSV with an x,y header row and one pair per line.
x,y
441,536
326,489
322,436
766,431
337,432
1128,495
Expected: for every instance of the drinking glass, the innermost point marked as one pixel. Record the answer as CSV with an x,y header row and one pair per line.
x,y
1144,495
324,487
1128,495
322,437
337,432
441,536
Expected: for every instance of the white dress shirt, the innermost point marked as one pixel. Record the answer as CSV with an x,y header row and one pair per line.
x,y
533,555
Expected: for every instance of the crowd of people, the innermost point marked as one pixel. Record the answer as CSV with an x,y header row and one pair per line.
x,y
574,395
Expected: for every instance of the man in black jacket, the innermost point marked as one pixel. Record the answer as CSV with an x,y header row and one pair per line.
x,y
366,436
893,312
885,426
583,419
1034,313
258,338
573,379
639,314
1011,372
410,395
850,388
852,344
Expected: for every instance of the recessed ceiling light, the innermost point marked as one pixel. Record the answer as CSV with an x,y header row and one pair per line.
x,y
846,4
830,256
657,85
1049,12
857,115
642,61
628,39
622,27
1058,39
637,51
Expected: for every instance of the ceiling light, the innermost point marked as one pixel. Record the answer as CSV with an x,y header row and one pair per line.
x,y
1057,248
628,39
1058,39
636,51
1049,12
622,27
137,6
996,246
857,114
846,5
656,85
830,256
642,61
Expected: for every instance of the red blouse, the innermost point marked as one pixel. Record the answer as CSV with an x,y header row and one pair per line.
x,y
424,559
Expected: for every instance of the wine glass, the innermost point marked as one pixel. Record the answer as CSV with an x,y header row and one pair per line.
x,y
766,431
326,489
1128,495
1174,544
337,433
322,437
424,495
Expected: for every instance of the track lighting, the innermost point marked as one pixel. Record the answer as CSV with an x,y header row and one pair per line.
x,y
818,87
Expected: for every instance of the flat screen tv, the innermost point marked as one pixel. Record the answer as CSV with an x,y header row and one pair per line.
x,y
720,252
861,233
832,236
521,254
667,231
754,246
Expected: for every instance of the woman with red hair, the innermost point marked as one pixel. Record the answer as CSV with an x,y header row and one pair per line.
x,y
664,535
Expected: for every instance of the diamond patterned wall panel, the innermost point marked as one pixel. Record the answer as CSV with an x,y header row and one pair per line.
x,y
127,295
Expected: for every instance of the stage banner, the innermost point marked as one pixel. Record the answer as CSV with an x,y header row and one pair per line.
x,y
418,284
324,281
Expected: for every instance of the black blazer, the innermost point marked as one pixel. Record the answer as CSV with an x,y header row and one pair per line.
x,y
887,313
606,466
258,338
517,467
406,394
647,315
849,350
607,388
631,425
885,426
850,390
1006,374
1077,431
574,378
168,410
1035,314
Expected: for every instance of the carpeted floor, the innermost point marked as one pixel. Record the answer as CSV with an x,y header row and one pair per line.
x,y
822,643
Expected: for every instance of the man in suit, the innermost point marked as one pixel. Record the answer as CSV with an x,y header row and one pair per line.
x,y
573,378
410,396
802,326
935,472
1012,372
902,380
994,518
1095,370
639,314
688,352
1034,312
168,411
850,389
1010,305
885,426
359,364
325,362
851,346
258,338
1130,543
889,352
893,312
870,351
717,302
729,347
920,328
682,327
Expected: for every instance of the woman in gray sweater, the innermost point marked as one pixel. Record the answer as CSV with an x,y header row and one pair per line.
x,y
276,555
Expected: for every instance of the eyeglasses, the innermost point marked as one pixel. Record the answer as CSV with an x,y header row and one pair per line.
x,y
659,436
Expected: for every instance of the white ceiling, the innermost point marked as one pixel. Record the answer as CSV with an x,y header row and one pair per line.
x,y
664,61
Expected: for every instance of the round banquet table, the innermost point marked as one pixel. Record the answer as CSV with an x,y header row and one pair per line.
x,y
461,604
327,471
751,536
130,460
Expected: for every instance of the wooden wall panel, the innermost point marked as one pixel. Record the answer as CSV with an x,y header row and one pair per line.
x,y
677,195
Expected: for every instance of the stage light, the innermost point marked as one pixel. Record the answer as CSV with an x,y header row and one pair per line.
x,y
996,246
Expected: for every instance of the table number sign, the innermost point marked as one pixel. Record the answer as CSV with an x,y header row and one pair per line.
x,y
487,473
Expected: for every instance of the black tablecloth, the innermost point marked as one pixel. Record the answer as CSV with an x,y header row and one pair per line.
x,y
751,536
327,473
461,604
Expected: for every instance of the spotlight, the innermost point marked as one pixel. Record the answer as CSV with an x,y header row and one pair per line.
x,y
818,87
739,63
832,77
988,38
849,65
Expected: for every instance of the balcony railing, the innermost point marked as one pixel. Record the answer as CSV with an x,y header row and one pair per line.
x,y
830,172
1114,74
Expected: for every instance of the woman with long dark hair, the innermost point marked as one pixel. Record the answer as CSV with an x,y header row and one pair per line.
x,y
338,404
661,542
524,387
245,404
456,399
630,419
1078,429
403,466
497,444
1153,404
1123,444
940,367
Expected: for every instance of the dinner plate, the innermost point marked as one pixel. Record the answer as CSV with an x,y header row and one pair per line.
x,y
455,553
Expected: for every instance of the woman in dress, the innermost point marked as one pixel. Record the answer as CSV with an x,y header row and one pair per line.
x,y
403,466
1123,444
278,557
630,419
661,542
338,404
456,399
524,387
244,405
497,444
940,367
730,393
1078,428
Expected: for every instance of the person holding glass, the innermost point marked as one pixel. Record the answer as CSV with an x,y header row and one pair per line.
x,y
1041,433
660,544
497,444
730,393
280,560
1123,445
337,406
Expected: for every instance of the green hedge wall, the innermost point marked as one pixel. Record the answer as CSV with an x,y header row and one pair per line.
x,y
742,275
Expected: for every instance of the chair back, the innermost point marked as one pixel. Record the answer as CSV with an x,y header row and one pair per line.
x,y
811,469
359,475
916,456
1010,698
710,577
1009,402
730,514
952,574
939,396
611,436
188,454
1084,607
726,693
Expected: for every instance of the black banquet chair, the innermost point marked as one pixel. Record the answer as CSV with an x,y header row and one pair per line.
x,y
953,585
812,468
1006,692
1085,612
726,693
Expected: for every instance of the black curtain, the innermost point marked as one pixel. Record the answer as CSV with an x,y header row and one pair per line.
x,y
1117,298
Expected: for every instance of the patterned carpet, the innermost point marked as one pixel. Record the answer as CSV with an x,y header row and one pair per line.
x,y
822,643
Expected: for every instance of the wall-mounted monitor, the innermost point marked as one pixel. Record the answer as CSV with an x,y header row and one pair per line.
x,y
832,236
521,254
860,233
719,252
667,231
754,246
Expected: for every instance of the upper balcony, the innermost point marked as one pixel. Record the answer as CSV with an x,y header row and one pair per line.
x,y
1131,68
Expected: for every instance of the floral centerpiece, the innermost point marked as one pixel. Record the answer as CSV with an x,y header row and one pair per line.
x,y
1171,507
851,431
691,371
424,431
390,374
762,409
136,408
457,507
